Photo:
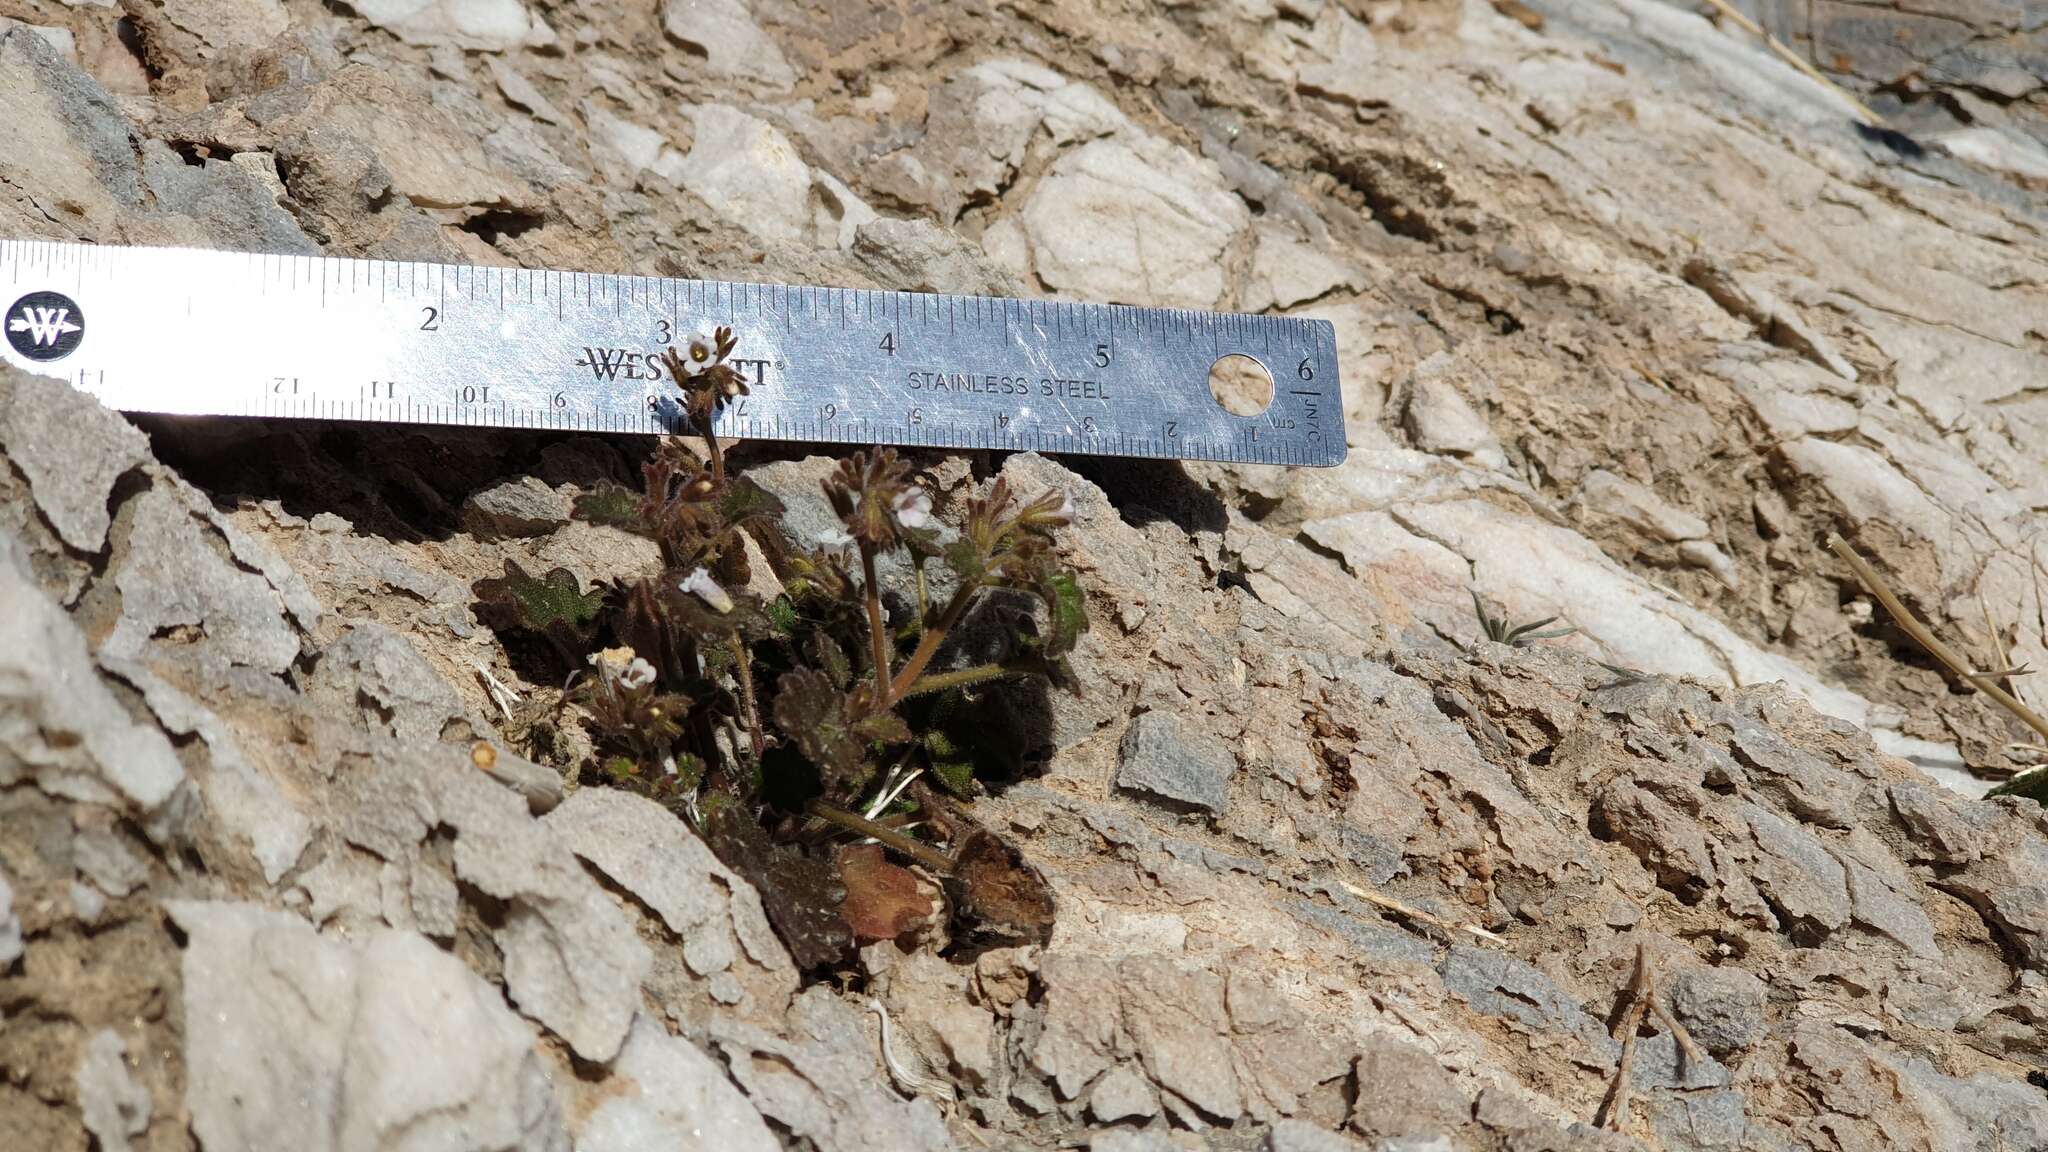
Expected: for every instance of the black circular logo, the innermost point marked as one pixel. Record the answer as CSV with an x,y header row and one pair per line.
x,y
44,325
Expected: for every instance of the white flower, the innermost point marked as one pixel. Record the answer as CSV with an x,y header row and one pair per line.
x,y
700,584
700,351
638,674
835,537
913,508
1066,508
611,663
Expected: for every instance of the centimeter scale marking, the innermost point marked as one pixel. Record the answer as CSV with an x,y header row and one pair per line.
x,y
207,333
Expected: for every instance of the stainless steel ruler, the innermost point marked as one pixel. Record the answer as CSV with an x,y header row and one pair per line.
x,y
236,334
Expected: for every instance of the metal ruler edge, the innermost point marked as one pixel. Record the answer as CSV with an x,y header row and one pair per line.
x,y
211,333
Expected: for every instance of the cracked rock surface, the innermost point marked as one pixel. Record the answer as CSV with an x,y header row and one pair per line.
x,y
1631,317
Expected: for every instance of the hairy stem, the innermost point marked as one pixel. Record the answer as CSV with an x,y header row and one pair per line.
x,y
879,638
743,662
961,677
928,647
917,850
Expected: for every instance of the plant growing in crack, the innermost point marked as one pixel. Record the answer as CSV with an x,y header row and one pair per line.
x,y
1501,630
800,729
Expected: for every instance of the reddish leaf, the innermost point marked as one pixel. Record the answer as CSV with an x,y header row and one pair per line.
x,y
997,894
883,900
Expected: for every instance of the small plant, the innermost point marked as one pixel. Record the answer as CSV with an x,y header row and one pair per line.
x,y
803,734
1500,631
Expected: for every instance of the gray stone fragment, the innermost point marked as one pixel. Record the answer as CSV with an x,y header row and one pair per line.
x,y
243,803
1291,1135
181,597
670,1095
1373,938
297,1041
1703,1120
1122,1093
62,138
522,92
654,856
819,1079
572,959
101,857
1883,902
71,450
1794,870
1723,1008
1170,758
1131,1140
114,1105
231,201
916,256
10,925
371,664
525,506
1498,984
59,725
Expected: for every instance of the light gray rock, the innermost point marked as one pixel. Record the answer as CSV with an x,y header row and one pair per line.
x,y
1292,1135
370,661
651,854
915,256
1288,270
61,729
297,1041
1120,1094
243,24
732,45
230,199
748,172
572,959
1795,871
70,449
1133,219
1174,760
520,91
62,139
672,1096
479,25
244,804
10,925
821,1082
182,600
101,857
1498,984
1723,1008
526,506
1438,418
116,1108
1639,507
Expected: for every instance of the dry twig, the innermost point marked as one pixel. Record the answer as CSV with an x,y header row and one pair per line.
x,y
1641,992
1935,646
1797,61
1414,913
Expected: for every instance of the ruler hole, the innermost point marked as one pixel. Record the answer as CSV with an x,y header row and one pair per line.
x,y
1242,385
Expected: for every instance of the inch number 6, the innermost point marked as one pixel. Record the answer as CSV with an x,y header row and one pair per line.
x,y
1305,370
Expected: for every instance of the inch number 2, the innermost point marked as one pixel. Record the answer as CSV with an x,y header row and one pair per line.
x,y
432,322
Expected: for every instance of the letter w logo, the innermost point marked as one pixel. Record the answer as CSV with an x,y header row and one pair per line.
x,y
604,363
43,325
